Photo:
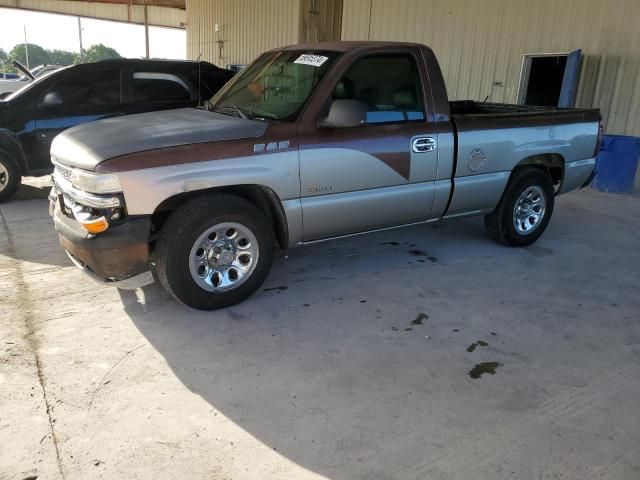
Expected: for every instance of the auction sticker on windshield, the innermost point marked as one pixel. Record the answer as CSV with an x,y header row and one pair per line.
x,y
309,59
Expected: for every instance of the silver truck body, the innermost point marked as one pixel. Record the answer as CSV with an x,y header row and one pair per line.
x,y
336,191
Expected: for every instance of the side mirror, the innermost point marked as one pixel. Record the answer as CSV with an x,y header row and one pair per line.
x,y
345,113
52,98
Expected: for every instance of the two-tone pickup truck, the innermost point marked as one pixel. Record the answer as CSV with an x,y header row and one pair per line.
x,y
309,142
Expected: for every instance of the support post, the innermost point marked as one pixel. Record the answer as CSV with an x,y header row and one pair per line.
x,y
26,47
80,37
146,29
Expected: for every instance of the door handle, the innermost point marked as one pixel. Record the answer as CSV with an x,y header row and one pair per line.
x,y
423,144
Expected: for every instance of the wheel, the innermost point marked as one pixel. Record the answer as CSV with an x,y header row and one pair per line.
x,y
524,210
214,251
10,176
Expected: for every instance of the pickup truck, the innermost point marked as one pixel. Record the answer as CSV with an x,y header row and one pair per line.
x,y
309,142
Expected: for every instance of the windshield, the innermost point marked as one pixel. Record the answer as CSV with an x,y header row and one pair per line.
x,y
31,83
276,86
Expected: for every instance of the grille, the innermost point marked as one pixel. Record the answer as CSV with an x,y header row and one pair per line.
x,y
64,172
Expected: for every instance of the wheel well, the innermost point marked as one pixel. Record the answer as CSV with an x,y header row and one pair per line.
x,y
10,145
551,163
262,197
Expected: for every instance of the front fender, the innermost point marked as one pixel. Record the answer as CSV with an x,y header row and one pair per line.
x,y
145,189
9,142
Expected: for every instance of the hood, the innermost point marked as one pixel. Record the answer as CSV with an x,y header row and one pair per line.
x,y
86,145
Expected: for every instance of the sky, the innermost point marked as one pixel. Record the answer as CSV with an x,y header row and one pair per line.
x,y
53,31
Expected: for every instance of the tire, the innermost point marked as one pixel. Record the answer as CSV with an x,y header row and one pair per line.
x,y
197,252
10,176
532,191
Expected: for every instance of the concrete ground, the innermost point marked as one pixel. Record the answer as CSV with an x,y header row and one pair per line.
x,y
352,362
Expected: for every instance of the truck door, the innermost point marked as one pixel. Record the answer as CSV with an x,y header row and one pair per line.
x,y
377,174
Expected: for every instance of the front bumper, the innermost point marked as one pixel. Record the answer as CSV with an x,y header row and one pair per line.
x,y
131,283
118,257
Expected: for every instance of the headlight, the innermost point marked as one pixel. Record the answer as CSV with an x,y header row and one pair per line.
x,y
95,182
83,187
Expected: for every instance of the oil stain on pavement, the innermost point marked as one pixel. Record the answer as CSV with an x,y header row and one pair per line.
x,y
479,343
482,368
422,253
420,318
280,288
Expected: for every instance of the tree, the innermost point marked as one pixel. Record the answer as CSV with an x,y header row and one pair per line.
x,y
5,66
62,57
98,52
37,55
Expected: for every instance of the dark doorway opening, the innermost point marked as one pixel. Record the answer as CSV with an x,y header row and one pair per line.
x,y
550,79
545,80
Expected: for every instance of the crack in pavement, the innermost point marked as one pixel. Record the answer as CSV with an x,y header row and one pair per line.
x,y
22,293
102,382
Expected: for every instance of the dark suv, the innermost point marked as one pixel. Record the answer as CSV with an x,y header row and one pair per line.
x,y
34,115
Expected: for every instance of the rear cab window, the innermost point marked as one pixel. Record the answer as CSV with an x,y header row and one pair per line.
x,y
152,86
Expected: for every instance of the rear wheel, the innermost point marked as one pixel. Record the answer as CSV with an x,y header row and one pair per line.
x,y
214,251
10,177
524,210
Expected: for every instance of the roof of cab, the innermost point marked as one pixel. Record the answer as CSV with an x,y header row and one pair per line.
x,y
345,46
146,61
166,65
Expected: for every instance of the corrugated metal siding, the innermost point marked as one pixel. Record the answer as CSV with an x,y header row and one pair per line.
x,y
247,28
159,16
480,44
320,20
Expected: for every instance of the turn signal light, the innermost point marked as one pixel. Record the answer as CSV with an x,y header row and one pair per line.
x,y
96,225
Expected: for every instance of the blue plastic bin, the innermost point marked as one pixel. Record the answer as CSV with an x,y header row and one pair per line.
x,y
617,164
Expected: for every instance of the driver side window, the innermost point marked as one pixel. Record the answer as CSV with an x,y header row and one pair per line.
x,y
98,87
386,86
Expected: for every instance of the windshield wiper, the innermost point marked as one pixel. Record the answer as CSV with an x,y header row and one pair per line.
x,y
262,114
226,108
245,113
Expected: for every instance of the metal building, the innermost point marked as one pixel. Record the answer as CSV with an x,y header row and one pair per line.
x,y
237,31
493,49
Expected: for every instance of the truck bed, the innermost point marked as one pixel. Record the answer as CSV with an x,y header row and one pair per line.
x,y
492,138
472,115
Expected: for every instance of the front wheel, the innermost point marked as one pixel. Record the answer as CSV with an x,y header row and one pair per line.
x,y
524,210
10,176
214,251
